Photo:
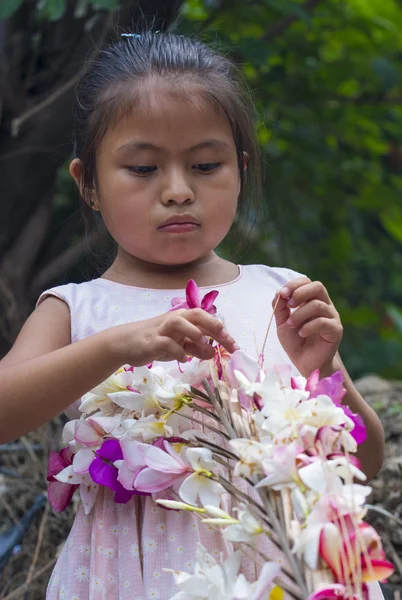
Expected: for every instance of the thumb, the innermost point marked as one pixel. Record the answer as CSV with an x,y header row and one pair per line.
x,y
281,308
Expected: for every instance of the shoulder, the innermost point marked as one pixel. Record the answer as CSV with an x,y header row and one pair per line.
x,y
71,293
275,277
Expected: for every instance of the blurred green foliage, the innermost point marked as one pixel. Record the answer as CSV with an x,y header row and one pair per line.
x,y
327,85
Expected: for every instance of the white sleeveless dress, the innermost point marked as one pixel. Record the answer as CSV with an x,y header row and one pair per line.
x,y
118,551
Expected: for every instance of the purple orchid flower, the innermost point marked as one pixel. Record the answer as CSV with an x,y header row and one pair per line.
x,y
103,471
332,386
193,299
59,493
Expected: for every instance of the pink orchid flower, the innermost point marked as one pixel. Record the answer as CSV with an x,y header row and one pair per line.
x,y
59,493
332,386
193,299
164,468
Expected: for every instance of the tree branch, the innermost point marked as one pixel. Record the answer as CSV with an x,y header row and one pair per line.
x,y
18,121
281,26
19,260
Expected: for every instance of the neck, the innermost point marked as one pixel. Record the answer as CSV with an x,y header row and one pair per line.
x,y
206,271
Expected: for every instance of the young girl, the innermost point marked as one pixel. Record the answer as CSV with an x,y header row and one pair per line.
x,y
164,151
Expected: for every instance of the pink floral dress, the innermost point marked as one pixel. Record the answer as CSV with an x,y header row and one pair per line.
x,y
119,551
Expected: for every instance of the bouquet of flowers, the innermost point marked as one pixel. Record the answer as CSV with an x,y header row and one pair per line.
x,y
251,450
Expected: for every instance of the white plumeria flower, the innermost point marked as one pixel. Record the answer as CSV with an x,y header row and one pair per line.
x,y
245,530
199,484
88,489
211,580
283,407
323,412
251,455
99,397
249,387
319,474
149,428
281,471
192,372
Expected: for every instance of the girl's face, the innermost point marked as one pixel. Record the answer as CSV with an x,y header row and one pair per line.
x,y
169,180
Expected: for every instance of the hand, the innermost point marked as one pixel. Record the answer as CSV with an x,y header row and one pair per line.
x,y
172,336
311,334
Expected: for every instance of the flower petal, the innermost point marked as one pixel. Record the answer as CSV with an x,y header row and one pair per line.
x,y
151,481
192,295
378,570
110,450
54,465
82,460
335,591
85,434
269,571
159,460
103,473
329,548
88,493
60,495
207,303
188,491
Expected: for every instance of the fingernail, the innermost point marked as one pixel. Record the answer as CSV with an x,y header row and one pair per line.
x,y
236,346
290,323
285,292
291,302
204,340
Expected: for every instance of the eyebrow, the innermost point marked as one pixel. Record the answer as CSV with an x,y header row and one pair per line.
x,y
212,143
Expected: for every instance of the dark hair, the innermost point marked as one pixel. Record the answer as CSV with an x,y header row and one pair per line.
x,y
107,92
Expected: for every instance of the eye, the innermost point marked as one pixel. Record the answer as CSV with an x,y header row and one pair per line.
x,y
206,167
141,169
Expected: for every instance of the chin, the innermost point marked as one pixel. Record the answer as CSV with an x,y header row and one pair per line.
x,y
176,260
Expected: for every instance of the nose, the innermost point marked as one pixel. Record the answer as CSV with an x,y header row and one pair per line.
x,y
177,189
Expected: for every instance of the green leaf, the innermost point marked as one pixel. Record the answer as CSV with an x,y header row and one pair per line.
x,y
8,7
392,221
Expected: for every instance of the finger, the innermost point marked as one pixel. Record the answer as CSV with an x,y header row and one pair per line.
x,y
179,328
329,329
311,310
211,327
288,290
308,291
281,309
202,352
171,350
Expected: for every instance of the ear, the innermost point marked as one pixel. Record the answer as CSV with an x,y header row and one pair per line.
x,y
75,172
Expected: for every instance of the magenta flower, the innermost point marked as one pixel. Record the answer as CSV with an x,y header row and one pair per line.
x,y
333,387
337,591
103,471
193,299
59,493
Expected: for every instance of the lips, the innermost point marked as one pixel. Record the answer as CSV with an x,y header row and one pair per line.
x,y
179,220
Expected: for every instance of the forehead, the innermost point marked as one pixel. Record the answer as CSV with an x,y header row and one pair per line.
x,y
171,116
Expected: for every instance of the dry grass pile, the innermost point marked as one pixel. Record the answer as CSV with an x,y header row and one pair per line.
x,y
23,466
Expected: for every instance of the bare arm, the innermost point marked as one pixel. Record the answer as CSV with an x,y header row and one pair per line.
x,y
371,451
44,373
